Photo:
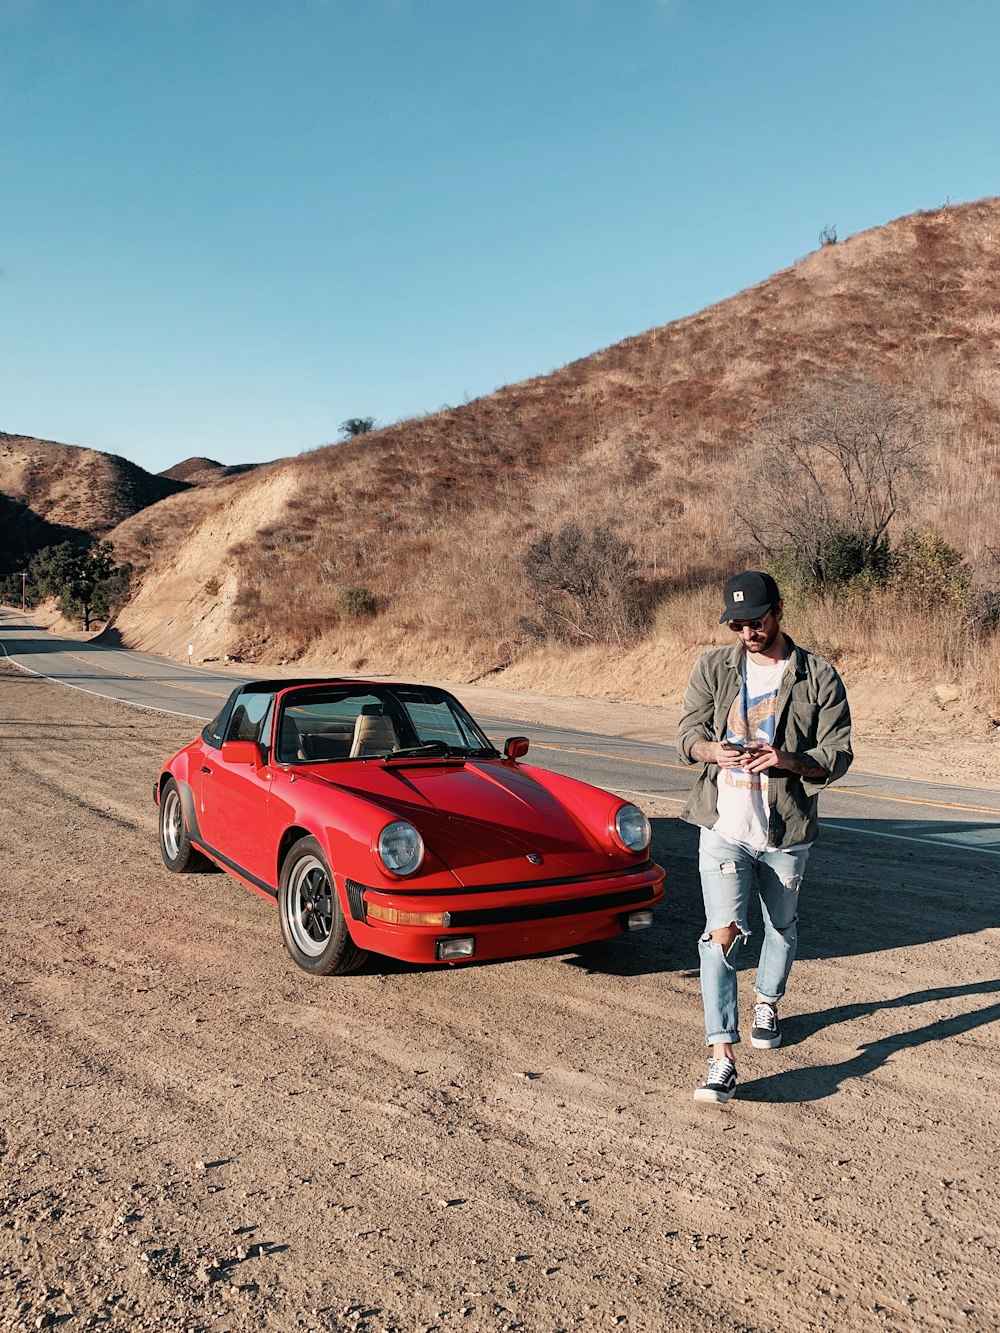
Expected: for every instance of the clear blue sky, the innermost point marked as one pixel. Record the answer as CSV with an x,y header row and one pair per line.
x,y
227,225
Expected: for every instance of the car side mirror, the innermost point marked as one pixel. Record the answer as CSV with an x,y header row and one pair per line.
x,y
515,747
242,752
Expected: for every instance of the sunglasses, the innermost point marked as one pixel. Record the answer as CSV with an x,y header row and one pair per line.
x,y
738,626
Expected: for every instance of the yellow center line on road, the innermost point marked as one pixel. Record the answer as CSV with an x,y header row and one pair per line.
x,y
153,680
846,791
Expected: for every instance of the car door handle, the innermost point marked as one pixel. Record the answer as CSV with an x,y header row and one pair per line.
x,y
205,768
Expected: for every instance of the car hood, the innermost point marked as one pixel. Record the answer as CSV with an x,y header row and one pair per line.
x,y
484,819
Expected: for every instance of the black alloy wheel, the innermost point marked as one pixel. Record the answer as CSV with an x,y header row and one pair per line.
x,y
313,925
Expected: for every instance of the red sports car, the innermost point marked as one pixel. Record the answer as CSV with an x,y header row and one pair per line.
x,y
383,820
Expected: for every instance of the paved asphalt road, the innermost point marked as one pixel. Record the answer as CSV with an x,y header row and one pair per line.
x,y
961,819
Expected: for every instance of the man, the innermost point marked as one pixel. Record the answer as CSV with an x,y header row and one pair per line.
x,y
770,724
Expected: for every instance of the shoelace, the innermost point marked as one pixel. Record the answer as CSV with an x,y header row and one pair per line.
x,y
765,1017
719,1071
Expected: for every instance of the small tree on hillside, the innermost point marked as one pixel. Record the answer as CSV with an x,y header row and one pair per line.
x,y
87,583
827,473
356,426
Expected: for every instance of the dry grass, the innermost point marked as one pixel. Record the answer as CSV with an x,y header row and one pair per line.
x,y
432,515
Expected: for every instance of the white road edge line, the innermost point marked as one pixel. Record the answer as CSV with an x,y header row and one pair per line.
x,y
112,698
902,837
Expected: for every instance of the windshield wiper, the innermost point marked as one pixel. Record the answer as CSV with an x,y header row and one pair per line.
x,y
432,748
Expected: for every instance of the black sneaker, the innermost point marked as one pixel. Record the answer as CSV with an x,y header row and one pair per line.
x,y
765,1033
720,1082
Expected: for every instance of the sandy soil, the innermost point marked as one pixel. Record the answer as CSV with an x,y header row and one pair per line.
x,y
195,1135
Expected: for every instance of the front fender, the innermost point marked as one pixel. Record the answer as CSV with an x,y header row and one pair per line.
x,y
346,827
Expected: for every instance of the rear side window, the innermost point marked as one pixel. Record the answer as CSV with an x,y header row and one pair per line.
x,y
248,718
213,733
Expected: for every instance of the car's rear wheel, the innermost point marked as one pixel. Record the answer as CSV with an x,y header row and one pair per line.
x,y
312,922
175,846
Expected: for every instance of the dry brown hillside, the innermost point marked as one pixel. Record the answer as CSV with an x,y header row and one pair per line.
x,y
430,517
75,488
202,471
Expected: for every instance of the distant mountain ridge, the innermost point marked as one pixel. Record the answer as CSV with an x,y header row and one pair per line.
x,y
77,487
199,471
52,492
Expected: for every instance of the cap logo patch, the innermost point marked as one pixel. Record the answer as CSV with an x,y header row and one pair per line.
x,y
737,595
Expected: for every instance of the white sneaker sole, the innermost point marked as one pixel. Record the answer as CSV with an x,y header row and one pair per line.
x,y
765,1043
717,1095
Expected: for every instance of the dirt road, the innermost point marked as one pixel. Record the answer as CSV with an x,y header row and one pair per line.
x,y
195,1135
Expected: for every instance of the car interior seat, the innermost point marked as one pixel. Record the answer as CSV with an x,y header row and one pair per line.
x,y
374,733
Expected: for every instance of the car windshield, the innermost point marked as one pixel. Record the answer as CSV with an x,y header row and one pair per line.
x,y
366,721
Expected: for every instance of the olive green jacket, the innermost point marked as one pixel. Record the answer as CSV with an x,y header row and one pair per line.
x,y
811,719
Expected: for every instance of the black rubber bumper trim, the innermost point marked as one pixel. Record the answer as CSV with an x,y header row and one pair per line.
x,y
601,902
356,899
464,890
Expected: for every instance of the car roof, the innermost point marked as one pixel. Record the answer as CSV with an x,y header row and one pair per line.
x,y
273,686
337,682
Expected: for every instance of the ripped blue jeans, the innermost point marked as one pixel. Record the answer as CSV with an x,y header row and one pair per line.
x,y
729,873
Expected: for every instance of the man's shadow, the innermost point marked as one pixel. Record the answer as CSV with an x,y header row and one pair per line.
x,y
810,1083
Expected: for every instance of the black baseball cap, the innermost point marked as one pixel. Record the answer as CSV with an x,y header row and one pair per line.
x,y
749,595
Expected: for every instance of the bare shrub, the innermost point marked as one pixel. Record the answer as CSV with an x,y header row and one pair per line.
x,y
831,468
586,587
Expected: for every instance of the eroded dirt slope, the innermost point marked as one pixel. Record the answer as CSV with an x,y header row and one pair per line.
x,y
195,1135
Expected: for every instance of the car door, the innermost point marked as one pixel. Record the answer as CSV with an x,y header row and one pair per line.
x,y
234,794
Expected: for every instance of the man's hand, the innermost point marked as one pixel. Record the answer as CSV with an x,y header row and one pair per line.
x,y
718,752
763,757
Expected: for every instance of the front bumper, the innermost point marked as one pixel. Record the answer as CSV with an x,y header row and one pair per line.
x,y
506,922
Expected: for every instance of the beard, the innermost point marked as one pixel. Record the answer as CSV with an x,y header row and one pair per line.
x,y
762,640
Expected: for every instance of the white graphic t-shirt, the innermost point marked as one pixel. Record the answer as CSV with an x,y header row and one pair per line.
x,y
742,806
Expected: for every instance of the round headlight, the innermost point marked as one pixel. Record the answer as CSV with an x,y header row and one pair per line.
x,y
632,828
400,848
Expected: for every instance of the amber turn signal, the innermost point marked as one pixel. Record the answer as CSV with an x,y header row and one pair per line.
x,y
394,917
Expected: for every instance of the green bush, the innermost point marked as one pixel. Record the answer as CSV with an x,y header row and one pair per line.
x,y
358,601
925,566
839,559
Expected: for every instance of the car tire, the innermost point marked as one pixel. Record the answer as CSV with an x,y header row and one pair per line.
x,y
179,855
313,925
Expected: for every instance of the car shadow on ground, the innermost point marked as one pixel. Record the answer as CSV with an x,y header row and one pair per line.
x,y
868,887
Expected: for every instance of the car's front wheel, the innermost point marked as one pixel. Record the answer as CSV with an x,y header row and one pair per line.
x,y
175,846
312,922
